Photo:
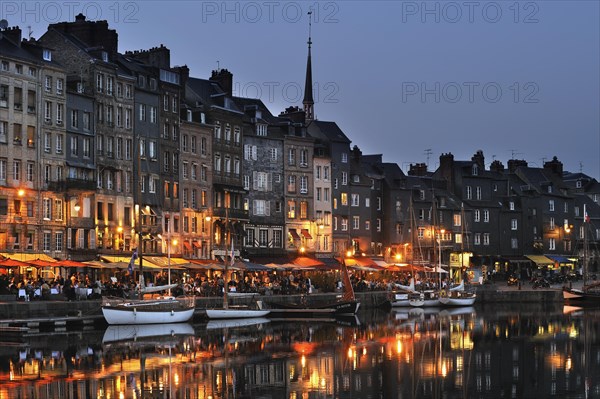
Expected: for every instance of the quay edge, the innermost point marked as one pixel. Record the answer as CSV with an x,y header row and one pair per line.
x,y
11,309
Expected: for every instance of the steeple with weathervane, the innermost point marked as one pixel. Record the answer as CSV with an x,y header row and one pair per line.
x,y
308,94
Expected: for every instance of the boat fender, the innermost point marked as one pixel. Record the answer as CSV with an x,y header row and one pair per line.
x,y
134,311
172,312
422,296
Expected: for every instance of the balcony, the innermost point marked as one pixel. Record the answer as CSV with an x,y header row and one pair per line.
x,y
77,184
231,213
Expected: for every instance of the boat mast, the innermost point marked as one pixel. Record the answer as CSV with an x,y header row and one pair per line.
x,y
137,198
411,216
227,234
586,221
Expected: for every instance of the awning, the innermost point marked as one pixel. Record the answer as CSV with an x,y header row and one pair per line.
x,y
27,256
70,263
204,264
294,234
560,259
13,263
41,263
187,245
306,234
305,261
250,266
197,244
381,263
164,261
120,261
517,259
540,260
331,263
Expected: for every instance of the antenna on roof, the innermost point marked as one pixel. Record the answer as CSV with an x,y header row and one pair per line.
x,y
218,67
428,153
514,153
580,167
29,31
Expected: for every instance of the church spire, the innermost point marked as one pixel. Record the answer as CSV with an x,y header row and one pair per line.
x,y
308,95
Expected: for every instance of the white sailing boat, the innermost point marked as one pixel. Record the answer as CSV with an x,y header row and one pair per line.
x,y
234,312
155,310
589,293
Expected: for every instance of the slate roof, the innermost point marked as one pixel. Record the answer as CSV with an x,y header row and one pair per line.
x,y
24,52
329,131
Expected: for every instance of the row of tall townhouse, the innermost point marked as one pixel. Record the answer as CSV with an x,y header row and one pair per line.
x,y
114,150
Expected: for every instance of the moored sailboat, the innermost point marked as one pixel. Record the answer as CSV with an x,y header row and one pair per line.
x,y
346,305
162,309
589,293
234,312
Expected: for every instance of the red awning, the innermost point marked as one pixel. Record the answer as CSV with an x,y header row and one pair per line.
x,y
305,261
294,234
306,234
12,263
197,244
70,263
187,245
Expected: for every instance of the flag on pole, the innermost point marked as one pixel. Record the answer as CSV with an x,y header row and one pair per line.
x,y
586,217
132,261
232,256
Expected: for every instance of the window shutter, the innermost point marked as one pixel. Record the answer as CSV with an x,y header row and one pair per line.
x,y
269,181
255,180
254,153
267,208
69,238
254,206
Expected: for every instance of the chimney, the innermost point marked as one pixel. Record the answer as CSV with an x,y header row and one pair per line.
x,y
554,166
446,170
225,79
514,164
418,169
293,113
357,153
497,166
479,159
92,33
184,74
13,34
159,57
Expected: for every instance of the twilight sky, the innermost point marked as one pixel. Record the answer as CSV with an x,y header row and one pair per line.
x,y
512,78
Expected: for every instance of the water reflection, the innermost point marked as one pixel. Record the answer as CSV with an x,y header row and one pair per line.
x,y
409,353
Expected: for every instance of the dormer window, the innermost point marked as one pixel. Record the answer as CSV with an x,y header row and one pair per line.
x,y
475,170
549,189
47,55
104,56
578,184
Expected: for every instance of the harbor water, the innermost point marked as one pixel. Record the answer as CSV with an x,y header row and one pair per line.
x,y
486,351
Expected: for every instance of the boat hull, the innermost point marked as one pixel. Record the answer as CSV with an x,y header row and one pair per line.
x,y
425,299
462,301
341,308
147,332
581,296
400,300
235,313
152,311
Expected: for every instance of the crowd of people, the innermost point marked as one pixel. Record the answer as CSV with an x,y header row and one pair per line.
x,y
205,284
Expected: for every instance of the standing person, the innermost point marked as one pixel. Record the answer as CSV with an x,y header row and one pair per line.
x,y
308,285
